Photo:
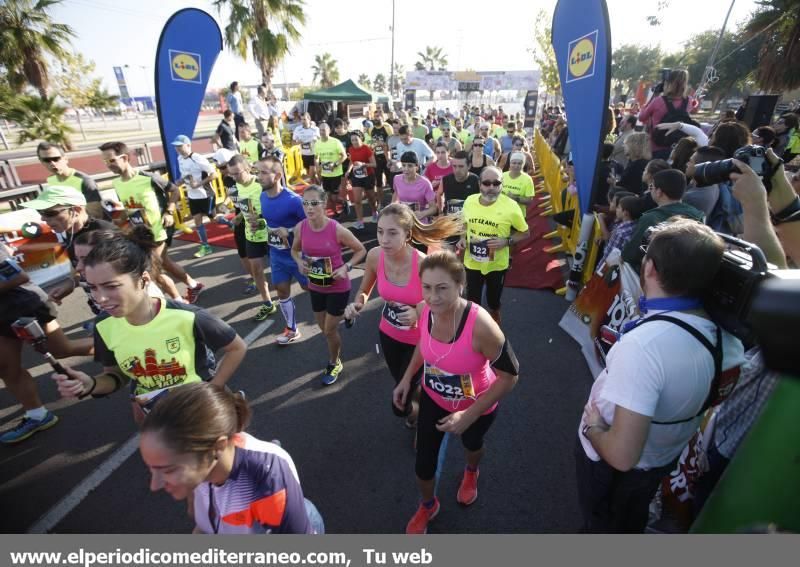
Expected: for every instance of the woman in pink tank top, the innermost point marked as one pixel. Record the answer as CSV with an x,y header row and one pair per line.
x,y
318,250
394,266
468,366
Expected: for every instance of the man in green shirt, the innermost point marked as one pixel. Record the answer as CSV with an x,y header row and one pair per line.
x,y
418,130
330,154
54,160
517,184
150,200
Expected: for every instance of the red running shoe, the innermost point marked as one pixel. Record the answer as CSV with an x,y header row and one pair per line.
x,y
419,522
468,491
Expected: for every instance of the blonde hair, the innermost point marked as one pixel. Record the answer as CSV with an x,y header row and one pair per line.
x,y
638,145
442,227
675,84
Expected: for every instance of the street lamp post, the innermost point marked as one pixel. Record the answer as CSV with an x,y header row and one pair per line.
x,y
391,72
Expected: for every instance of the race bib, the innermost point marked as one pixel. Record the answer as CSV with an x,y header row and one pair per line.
x,y
147,401
360,172
136,217
245,205
233,195
454,206
413,205
454,387
305,146
391,313
480,251
378,149
320,270
274,240
328,166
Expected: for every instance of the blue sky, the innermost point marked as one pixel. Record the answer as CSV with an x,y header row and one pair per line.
x,y
480,35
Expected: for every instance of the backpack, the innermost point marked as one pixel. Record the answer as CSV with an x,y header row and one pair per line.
x,y
681,114
726,216
722,383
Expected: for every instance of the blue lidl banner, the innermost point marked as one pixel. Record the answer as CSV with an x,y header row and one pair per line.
x,y
582,44
187,50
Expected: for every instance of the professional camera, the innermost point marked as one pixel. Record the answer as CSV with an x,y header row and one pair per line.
x,y
713,172
658,88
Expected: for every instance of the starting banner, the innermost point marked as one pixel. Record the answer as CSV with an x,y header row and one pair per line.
x,y
187,50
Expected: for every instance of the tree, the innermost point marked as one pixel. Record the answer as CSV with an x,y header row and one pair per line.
x,y
778,24
74,83
326,70
266,28
432,58
27,36
632,63
364,80
543,54
100,100
379,84
37,118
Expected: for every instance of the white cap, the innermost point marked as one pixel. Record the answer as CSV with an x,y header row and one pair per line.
x,y
223,155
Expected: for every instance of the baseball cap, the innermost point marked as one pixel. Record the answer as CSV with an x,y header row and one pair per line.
x,y
223,155
55,195
181,140
367,124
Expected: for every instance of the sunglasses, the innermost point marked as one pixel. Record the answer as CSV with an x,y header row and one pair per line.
x,y
488,183
477,145
50,159
51,213
312,203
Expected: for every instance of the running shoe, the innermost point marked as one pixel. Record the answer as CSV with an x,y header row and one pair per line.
x,y
419,521
250,287
205,250
468,491
288,336
358,225
193,293
266,310
28,427
332,372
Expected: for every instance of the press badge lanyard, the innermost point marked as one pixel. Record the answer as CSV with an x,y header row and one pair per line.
x,y
662,304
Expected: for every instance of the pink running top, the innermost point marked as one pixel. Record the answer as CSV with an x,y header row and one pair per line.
x,y
455,375
322,251
397,295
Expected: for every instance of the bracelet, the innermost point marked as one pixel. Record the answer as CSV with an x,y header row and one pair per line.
x,y
510,241
789,214
89,393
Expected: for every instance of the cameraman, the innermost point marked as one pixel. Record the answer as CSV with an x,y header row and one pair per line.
x,y
722,212
647,403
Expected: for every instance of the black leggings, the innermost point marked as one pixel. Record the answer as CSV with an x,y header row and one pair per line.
x,y
429,439
398,356
381,169
494,287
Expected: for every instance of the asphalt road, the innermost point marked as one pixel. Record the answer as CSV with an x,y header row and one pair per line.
x,y
355,459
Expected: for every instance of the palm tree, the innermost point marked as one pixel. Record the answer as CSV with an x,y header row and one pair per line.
x,y
326,70
101,100
364,80
27,35
779,23
266,27
379,84
38,119
432,59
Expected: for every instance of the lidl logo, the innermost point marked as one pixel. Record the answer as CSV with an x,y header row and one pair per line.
x,y
581,57
185,66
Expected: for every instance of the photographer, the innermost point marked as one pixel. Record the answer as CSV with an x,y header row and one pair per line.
x,y
723,213
649,400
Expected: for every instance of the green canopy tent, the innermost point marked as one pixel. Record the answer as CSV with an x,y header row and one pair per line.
x,y
348,91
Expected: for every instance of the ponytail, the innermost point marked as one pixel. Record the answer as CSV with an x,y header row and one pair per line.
x,y
441,228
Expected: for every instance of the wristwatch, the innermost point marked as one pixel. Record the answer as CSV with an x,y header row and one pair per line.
x,y
510,241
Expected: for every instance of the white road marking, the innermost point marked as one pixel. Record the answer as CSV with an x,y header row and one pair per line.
x,y
71,501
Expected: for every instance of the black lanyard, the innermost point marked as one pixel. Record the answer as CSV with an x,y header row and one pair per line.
x,y
213,517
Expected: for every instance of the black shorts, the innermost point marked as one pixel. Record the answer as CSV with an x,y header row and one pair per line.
x,y
367,182
333,304
201,206
308,161
256,249
240,239
398,355
494,287
170,233
19,303
331,184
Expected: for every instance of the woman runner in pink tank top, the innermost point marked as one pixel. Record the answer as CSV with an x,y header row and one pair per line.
x,y
468,367
318,249
393,265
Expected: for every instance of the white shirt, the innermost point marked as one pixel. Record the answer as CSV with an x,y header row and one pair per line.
x,y
258,108
306,137
661,371
194,166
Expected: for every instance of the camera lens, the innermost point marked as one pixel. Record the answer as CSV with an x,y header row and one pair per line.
x,y
713,172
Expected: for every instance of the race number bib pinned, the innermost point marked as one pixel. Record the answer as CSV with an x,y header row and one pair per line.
x,y
136,217
378,149
245,205
413,205
360,172
391,313
320,270
305,147
274,240
454,206
454,387
479,251
328,166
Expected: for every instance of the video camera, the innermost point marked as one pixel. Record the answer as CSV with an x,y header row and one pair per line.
x,y
658,88
713,172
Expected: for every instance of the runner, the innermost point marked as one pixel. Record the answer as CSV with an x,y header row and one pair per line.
x,y
453,144
468,366
249,147
413,189
156,344
394,266
307,135
478,160
54,160
317,250
282,209
330,155
150,200
517,185
196,449
256,248
437,170
379,134
518,145
197,173
362,177
456,188
21,298
494,223
340,133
